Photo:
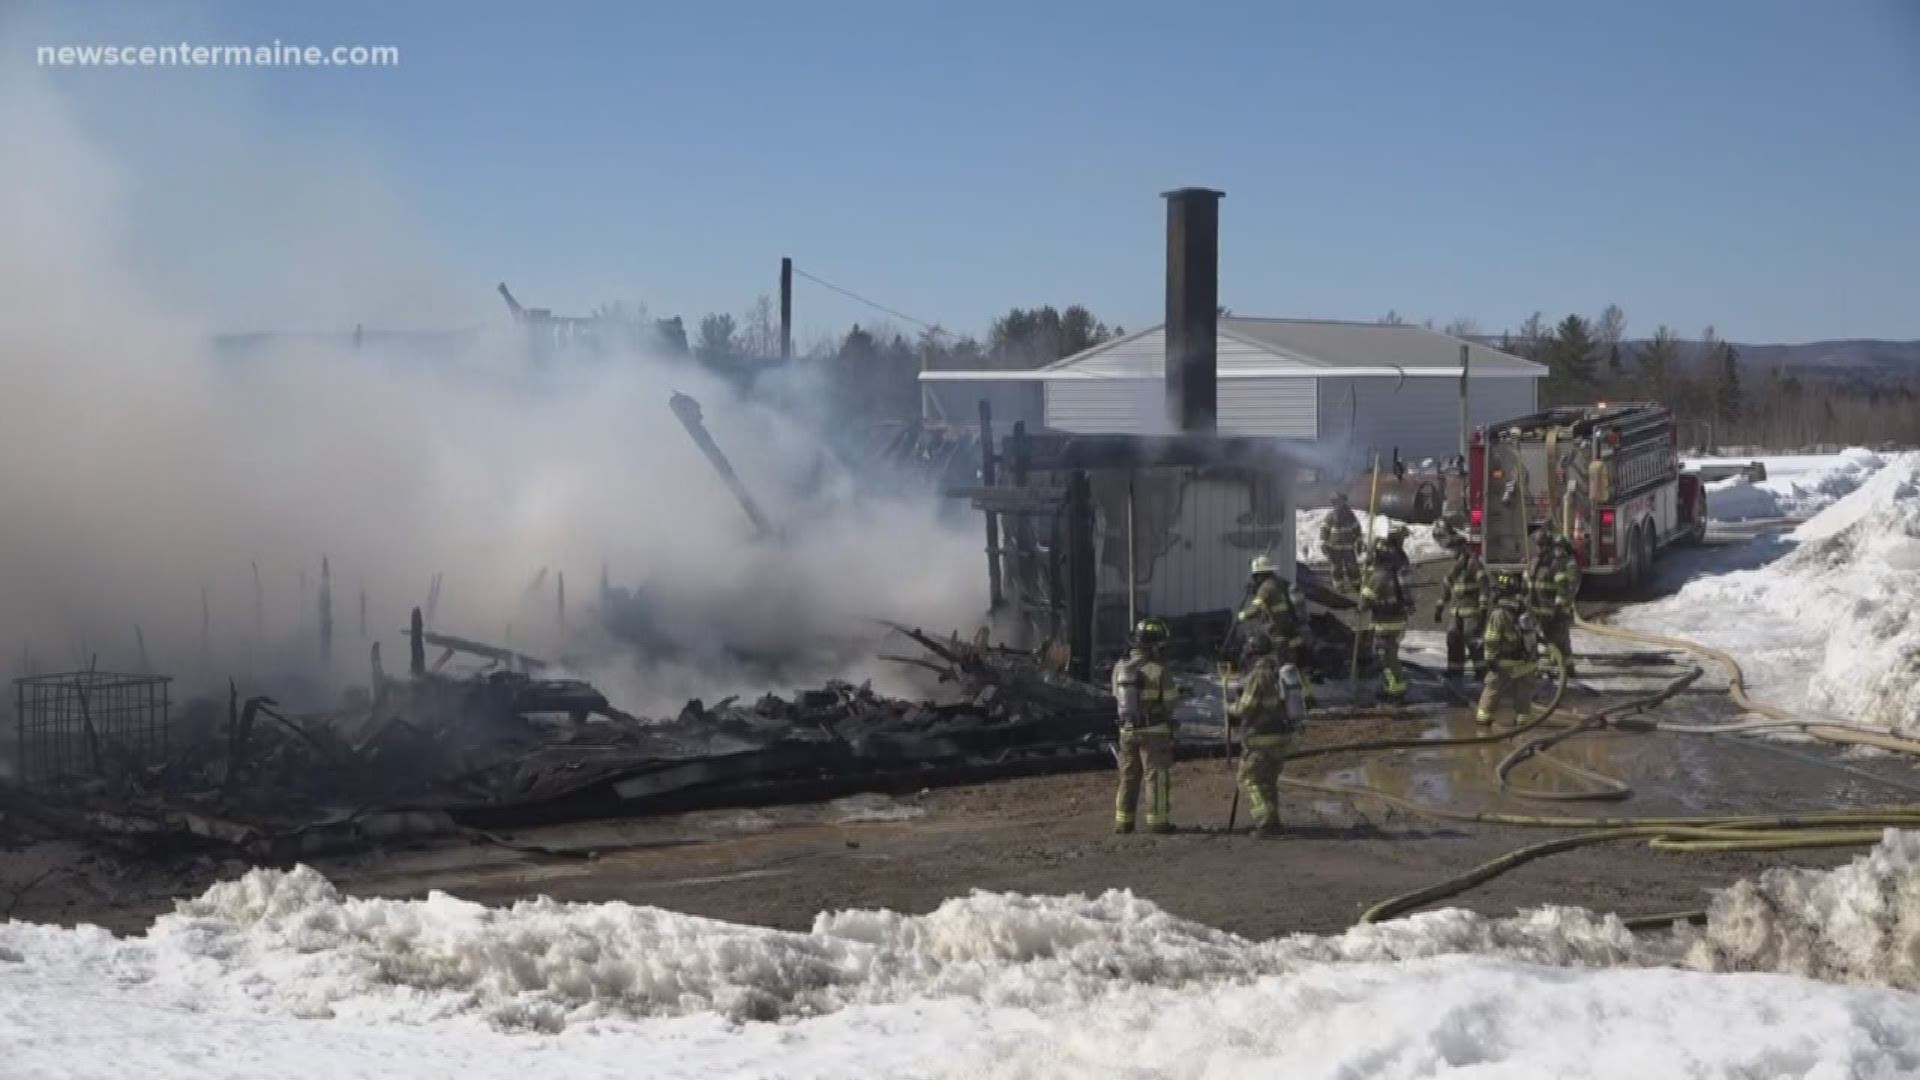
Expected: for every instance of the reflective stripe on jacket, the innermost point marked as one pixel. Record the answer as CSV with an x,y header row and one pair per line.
x,y
1384,597
1262,707
1152,686
1466,587
1341,529
1506,643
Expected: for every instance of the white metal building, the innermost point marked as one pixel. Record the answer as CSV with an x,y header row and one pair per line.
x,y
1353,388
1338,390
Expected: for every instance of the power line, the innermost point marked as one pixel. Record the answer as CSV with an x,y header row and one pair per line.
x,y
875,305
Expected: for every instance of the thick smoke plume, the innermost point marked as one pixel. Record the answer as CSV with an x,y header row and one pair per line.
x,y
142,469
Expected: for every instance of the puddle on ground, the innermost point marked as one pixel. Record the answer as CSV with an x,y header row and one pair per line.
x,y
1464,776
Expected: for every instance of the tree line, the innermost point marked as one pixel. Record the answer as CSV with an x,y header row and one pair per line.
x,y
870,372
1717,400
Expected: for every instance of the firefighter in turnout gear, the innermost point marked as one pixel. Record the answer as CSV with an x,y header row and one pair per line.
x,y
1145,692
1269,711
1552,585
1274,610
1387,600
1397,547
1340,537
1462,608
1511,647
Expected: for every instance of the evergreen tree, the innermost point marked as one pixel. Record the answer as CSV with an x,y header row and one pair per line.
x,y
1570,360
1726,394
1657,365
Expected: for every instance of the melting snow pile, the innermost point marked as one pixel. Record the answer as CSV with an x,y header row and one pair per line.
x,y
1421,546
276,973
1795,486
1833,626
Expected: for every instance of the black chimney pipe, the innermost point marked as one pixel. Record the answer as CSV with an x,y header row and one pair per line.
x,y
1193,306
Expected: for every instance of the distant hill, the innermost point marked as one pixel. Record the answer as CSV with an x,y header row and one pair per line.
x,y
1867,361
1861,355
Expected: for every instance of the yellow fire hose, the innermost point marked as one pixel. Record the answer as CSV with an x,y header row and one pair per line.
x,y
1760,832
1737,690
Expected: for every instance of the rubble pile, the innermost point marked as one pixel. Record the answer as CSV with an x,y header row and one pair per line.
x,y
438,752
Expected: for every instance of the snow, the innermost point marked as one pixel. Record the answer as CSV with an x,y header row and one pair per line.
x,y
1832,626
1421,546
1799,972
1796,486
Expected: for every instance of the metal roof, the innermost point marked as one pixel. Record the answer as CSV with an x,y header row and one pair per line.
x,y
1356,344
1251,348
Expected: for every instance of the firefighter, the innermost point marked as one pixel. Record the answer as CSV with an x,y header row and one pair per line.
x,y
1463,595
1511,645
1274,609
1144,690
1340,536
1271,707
1387,600
1551,585
1397,547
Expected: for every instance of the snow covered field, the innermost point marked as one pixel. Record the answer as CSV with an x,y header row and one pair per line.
x,y
1796,486
1833,625
275,974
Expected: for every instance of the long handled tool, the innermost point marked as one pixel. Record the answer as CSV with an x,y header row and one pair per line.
x,y
1373,505
1226,735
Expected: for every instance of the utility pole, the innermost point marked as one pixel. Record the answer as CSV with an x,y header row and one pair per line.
x,y
786,308
1465,351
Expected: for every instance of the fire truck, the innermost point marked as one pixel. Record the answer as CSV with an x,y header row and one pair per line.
x,y
1608,476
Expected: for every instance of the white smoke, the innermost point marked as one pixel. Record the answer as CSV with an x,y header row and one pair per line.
x,y
142,469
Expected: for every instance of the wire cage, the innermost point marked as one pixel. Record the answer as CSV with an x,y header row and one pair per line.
x,y
89,724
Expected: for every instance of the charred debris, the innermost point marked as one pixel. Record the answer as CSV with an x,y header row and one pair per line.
x,y
106,756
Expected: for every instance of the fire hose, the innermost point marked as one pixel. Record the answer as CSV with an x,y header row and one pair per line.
x,y
1718,833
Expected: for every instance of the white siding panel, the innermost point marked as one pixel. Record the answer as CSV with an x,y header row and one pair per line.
x,y
1125,406
1420,416
1137,406
1201,564
1275,407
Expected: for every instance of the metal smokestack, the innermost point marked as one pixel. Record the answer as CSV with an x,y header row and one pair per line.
x,y
1193,306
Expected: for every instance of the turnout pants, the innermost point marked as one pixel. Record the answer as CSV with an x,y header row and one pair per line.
x,y
1145,754
1507,687
1559,632
1386,646
1465,642
1345,560
1260,777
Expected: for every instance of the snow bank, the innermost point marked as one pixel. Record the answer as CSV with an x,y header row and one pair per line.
x,y
1834,625
277,974
1421,546
287,943
1794,487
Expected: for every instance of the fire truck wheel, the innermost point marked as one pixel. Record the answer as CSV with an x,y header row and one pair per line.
x,y
1642,558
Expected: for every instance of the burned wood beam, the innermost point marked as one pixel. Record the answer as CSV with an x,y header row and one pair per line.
x,y
484,651
688,410
995,599
417,647
326,614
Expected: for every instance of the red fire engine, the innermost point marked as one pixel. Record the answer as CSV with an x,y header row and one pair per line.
x,y
1608,476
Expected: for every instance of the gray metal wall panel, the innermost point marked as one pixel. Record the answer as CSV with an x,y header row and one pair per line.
x,y
1421,416
1283,408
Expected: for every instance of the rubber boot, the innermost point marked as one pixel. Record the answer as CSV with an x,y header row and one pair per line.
x,y
1162,829
1270,829
1123,827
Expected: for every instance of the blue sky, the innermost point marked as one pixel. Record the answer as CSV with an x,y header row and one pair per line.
x,y
1746,163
